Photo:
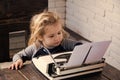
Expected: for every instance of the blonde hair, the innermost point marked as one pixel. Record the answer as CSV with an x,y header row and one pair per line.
x,y
38,23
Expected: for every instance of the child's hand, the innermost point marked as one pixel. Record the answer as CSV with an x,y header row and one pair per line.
x,y
16,65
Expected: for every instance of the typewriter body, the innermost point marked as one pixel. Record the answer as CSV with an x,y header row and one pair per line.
x,y
71,64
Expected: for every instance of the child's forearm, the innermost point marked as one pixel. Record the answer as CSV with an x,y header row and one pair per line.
x,y
16,57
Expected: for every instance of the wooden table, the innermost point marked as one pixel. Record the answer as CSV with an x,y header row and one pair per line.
x,y
29,72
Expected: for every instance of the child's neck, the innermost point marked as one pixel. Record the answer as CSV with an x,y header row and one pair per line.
x,y
48,47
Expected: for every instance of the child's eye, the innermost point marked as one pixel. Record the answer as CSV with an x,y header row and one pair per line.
x,y
51,36
59,33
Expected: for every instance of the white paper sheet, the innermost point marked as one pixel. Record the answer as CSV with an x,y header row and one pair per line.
x,y
97,51
78,55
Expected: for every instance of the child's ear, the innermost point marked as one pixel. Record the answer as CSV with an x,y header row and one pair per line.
x,y
40,38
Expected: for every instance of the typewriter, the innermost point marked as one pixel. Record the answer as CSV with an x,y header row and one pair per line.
x,y
84,59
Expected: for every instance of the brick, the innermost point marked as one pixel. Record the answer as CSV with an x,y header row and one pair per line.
x,y
83,3
109,7
115,48
115,30
112,61
116,9
116,41
114,17
98,25
92,6
115,2
116,34
115,56
58,3
51,4
85,12
108,29
69,11
102,20
61,14
99,35
103,4
60,9
116,27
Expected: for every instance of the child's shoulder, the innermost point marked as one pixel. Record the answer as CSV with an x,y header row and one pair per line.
x,y
38,45
68,41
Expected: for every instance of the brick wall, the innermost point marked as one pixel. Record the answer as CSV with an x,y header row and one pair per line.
x,y
97,20
58,6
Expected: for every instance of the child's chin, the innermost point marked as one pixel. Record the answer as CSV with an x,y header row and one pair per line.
x,y
56,45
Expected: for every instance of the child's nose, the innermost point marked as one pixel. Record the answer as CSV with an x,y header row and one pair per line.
x,y
57,38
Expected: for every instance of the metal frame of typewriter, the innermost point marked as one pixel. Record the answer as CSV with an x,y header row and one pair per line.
x,y
47,67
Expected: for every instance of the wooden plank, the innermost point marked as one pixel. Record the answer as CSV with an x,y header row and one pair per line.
x,y
7,74
111,72
32,73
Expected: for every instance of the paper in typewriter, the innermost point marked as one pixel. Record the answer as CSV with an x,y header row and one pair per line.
x,y
87,53
97,51
78,55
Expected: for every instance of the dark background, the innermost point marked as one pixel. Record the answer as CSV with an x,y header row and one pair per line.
x,y
15,16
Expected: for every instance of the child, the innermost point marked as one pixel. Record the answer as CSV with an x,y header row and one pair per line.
x,y
46,32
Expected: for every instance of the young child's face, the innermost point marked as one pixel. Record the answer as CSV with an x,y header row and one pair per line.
x,y
53,35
